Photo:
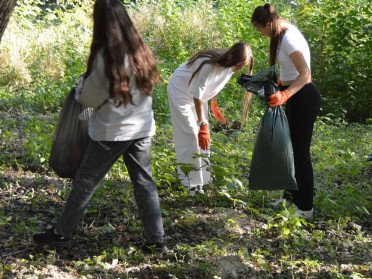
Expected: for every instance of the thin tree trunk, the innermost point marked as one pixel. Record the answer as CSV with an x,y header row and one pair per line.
x,y
6,9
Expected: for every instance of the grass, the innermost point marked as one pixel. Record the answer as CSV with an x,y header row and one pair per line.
x,y
227,233
230,232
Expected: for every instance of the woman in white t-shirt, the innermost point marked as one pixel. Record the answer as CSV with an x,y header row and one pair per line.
x,y
290,50
192,84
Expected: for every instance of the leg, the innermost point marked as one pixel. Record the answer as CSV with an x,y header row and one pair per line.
x,y
137,160
301,116
290,194
96,162
185,131
301,136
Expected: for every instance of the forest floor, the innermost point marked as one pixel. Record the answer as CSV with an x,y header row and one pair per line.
x,y
220,234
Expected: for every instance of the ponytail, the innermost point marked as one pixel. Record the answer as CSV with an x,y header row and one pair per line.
x,y
261,16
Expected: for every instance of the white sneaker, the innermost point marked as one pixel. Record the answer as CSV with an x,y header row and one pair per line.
x,y
196,189
306,214
279,203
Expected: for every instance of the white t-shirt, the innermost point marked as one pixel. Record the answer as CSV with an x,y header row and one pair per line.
x,y
207,83
292,41
110,122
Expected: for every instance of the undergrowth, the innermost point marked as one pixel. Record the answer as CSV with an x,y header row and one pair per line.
x,y
231,231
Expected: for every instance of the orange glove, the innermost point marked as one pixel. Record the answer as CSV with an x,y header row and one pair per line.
x,y
278,98
203,137
217,113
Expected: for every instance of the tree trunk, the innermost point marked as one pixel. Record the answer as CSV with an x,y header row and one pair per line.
x,y
6,9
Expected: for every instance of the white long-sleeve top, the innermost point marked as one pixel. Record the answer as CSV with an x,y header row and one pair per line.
x,y
110,122
207,83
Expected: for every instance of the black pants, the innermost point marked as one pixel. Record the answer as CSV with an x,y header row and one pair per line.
x,y
302,110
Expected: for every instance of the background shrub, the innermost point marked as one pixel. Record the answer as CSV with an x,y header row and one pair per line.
x,y
45,46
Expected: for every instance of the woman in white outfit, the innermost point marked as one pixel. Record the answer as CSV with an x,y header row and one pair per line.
x,y
192,84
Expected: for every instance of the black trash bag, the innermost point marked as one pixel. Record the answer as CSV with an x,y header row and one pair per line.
x,y
272,165
263,84
70,138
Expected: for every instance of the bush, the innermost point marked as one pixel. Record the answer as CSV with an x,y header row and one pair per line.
x,y
338,34
45,56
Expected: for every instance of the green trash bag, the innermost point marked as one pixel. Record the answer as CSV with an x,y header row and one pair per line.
x,y
272,165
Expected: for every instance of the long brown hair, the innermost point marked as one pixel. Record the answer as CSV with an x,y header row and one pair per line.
x,y
239,52
261,16
115,34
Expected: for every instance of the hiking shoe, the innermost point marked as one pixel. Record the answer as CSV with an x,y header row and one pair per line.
x,y
305,214
282,202
157,247
197,189
52,239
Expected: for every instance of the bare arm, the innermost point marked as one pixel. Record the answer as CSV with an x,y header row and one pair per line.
x,y
304,74
199,109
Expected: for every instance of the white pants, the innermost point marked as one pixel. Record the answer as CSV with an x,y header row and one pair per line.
x,y
185,132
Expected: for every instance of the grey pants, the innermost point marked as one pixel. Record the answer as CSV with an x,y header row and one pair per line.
x,y
98,159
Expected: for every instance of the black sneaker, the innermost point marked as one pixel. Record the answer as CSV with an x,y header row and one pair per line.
x,y
52,239
158,247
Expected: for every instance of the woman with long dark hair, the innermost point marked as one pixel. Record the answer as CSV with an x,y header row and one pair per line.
x,y
118,84
192,84
289,49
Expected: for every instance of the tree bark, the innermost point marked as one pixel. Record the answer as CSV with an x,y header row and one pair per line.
x,y
6,9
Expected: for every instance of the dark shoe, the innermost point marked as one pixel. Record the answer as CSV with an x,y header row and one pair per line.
x,y
52,239
158,247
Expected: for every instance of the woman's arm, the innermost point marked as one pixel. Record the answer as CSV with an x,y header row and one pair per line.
x,y
304,77
95,87
199,110
304,74
198,87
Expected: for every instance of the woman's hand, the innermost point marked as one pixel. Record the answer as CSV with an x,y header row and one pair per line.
x,y
278,98
217,112
204,137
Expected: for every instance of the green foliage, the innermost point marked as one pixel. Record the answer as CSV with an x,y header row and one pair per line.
x,y
163,159
286,223
163,26
42,59
57,45
229,231
39,133
343,165
234,22
46,55
338,34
